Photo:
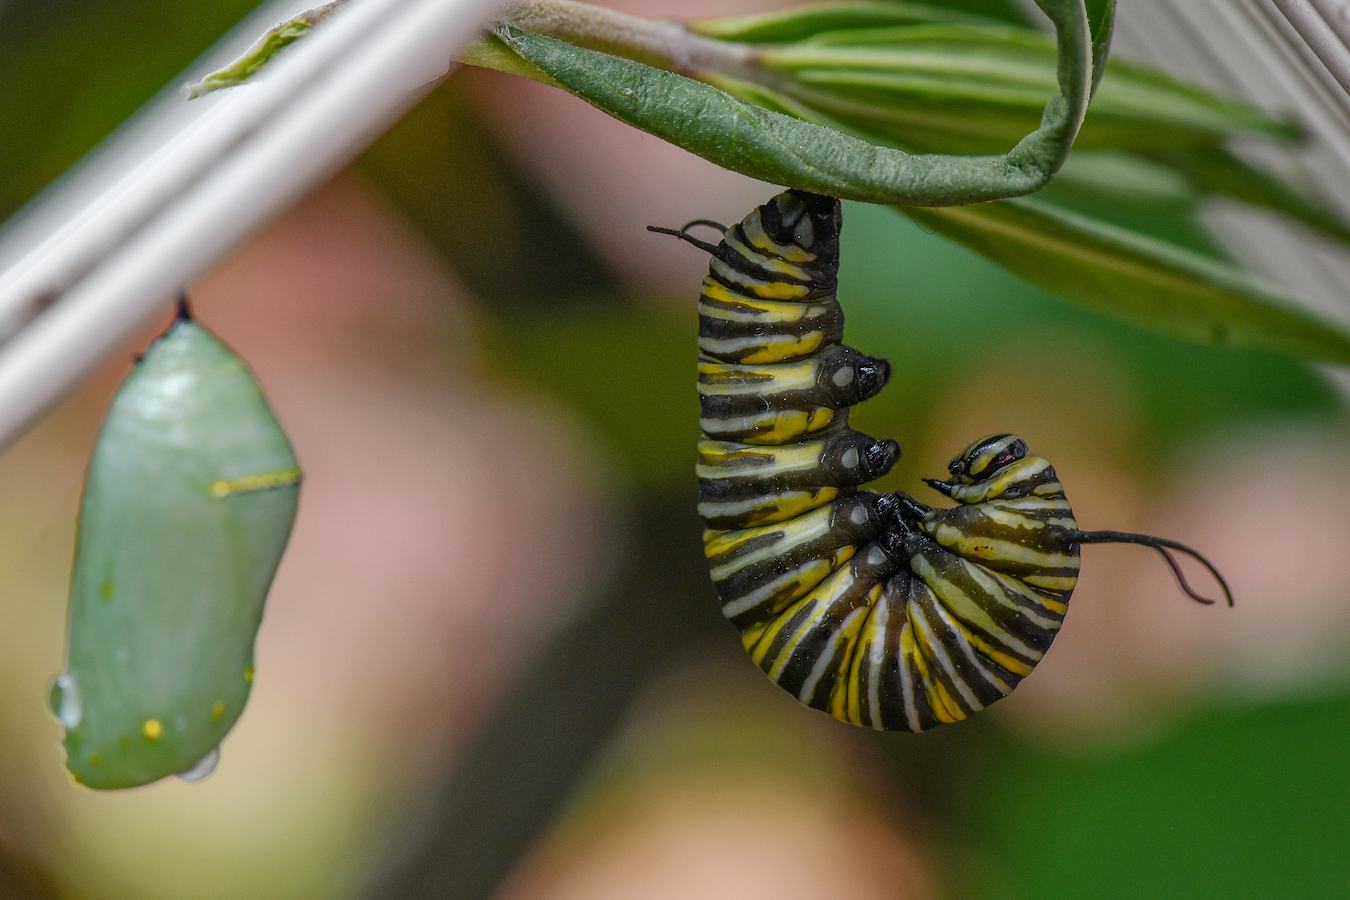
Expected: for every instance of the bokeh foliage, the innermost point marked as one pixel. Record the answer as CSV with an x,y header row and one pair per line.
x,y
73,70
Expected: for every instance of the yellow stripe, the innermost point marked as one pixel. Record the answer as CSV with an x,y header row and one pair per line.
x,y
1052,583
937,696
994,550
751,634
723,555
782,425
950,621
766,261
1008,663
773,290
945,707
754,310
1002,587
717,459
227,486
960,605
723,379
770,598
753,227
840,706
1008,518
769,348
773,508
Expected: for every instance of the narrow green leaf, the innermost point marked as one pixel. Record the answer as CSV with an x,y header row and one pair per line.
x,y
1112,176
1215,171
489,52
801,22
783,150
959,88
263,51
1137,278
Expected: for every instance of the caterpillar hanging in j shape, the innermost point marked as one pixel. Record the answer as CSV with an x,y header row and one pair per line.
x,y
875,608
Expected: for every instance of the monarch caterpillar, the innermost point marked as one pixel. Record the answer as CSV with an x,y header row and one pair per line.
x,y
188,503
875,608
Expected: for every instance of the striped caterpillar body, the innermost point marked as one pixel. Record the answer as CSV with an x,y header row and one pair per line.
x,y
875,608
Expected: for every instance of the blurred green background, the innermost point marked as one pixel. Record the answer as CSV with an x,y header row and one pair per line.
x,y
493,666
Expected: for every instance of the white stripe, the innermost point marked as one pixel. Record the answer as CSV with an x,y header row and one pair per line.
x,y
954,598
971,654
724,346
792,537
823,662
945,662
713,510
996,586
907,681
738,424
875,658
757,257
759,595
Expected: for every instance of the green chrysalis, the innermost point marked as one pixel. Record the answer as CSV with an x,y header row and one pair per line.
x,y
187,507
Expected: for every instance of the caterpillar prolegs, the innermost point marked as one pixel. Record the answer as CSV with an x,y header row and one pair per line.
x,y
875,608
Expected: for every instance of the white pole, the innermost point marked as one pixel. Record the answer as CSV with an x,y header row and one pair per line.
x,y
97,256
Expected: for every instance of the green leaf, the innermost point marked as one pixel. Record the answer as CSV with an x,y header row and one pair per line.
x,y
1124,178
1215,171
801,22
1134,277
489,52
975,89
781,149
263,51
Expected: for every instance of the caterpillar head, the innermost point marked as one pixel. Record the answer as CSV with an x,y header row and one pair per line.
x,y
984,459
808,221
997,466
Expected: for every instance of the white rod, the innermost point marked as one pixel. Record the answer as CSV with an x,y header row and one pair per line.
x,y
1305,59
1319,36
1279,60
1336,13
211,128
248,158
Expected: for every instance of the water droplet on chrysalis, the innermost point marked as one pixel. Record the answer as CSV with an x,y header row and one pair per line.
x,y
203,769
65,700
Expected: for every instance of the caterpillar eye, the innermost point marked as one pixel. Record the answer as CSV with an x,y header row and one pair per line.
x,y
911,583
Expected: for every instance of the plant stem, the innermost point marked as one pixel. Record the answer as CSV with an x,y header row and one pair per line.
x,y
662,43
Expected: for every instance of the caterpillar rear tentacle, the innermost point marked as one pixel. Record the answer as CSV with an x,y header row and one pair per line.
x,y
1162,545
875,608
